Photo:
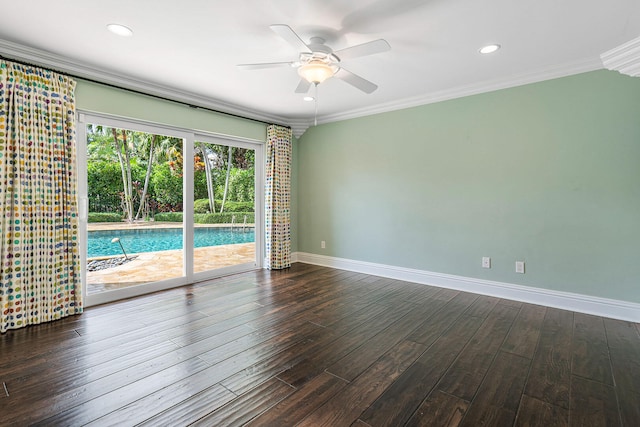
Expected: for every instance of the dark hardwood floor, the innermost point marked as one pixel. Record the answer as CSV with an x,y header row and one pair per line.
x,y
318,346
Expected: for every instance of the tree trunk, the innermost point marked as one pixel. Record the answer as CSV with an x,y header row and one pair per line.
x,y
147,176
127,154
123,168
226,182
207,173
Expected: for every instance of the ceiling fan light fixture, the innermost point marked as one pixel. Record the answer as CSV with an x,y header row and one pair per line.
x,y
316,71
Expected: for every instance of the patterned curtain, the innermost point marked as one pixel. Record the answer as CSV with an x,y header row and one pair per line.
x,y
278,197
39,270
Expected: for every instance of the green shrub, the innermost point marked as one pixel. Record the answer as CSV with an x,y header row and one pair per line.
x,y
168,217
237,206
201,206
166,185
207,218
241,185
223,218
104,184
104,217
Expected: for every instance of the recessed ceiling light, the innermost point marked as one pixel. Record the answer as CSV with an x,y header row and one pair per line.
x,y
120,30
490,48
308,98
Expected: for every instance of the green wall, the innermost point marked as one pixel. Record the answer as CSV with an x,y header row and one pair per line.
x,y
94,97
547,173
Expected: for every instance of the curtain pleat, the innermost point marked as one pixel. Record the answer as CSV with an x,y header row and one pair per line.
x,y
39,271
278,197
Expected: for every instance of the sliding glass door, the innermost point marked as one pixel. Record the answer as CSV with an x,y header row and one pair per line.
x,y
224,205
162,207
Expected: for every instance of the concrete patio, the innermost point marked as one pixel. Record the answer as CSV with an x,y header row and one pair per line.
x,y
161,265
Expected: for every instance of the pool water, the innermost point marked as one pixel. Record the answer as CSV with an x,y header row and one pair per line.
x,y
161,239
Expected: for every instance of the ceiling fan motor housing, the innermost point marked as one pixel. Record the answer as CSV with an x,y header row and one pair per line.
x,y
317,62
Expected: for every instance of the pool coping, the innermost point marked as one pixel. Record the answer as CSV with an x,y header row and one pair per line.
x,y
102,226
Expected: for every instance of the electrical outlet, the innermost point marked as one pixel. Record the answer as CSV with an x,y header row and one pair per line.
x,y
322,245
520,267
486,262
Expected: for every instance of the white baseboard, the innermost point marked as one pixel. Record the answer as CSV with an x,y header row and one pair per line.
x,y
615,309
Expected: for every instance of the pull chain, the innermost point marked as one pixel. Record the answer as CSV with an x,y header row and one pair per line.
x,y
315,119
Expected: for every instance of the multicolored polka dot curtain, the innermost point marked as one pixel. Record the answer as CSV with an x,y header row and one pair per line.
x,y
39,274
278,197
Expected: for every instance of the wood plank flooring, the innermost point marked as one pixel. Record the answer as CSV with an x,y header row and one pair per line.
x,y
315,346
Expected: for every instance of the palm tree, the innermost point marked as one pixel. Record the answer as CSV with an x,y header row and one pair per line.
x,y
209,177
143,196
226,182
99,144
124,157
169,149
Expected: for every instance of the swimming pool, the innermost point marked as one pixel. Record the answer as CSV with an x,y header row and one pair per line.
x,y
161,239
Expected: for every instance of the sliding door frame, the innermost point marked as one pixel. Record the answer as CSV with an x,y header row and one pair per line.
x,y
208,138
189,137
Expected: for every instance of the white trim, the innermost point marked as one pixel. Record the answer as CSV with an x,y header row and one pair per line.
x,y
83,199
259,179
148,126
615,309
188,165
188,137
105,297
84,70
564,70
259,200
298,125
624,58
112,120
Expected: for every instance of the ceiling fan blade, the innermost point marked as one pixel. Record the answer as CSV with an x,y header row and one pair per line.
x,y
264,65
303,86
356,81
290,36
369,48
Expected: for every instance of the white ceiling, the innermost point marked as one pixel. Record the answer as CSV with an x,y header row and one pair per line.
x,y
189,49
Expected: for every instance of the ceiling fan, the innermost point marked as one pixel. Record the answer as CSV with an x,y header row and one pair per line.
x,y
317,62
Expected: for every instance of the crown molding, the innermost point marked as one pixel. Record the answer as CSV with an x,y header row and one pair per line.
x,y
83,70
564,70
624,58
298,125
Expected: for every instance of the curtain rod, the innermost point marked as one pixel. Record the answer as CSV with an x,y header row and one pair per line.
x,y
139,92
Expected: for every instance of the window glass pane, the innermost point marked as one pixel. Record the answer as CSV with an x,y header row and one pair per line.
x,y
134,191
224,206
